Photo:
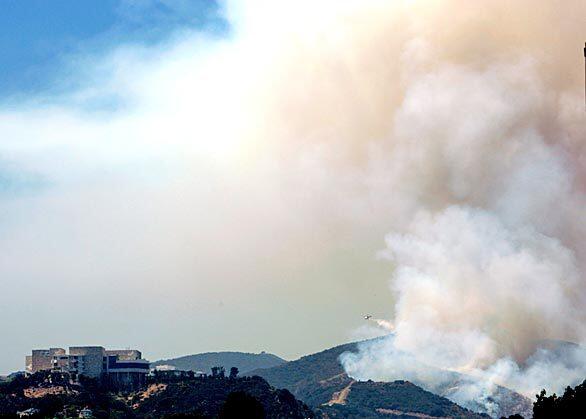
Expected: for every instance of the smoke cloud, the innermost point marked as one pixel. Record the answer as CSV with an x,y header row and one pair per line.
x,y
269,164
487,174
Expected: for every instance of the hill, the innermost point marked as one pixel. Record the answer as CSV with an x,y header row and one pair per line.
x,y
320,381
52,393
368,399
311,378
204,397
316,379
245,362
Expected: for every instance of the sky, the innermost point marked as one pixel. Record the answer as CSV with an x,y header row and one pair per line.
x,y
101,243
38,37
187,176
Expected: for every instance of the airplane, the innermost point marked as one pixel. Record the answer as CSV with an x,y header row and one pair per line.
x,y
367,317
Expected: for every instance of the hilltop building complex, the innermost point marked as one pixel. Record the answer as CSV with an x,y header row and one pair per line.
x,y
123,369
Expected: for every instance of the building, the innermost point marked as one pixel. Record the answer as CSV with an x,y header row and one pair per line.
x,y
126,369
42,359
123,369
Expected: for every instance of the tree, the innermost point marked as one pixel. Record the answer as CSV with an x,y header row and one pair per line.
x,y
571,405
218,372
233,372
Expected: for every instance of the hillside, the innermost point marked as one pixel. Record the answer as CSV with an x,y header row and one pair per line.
x,y
311,378
206,398
211,397
203,397
53,393
320,381
315,378
368,399
245,362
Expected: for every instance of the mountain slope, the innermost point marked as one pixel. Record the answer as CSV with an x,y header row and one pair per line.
x,y
316,378
206,397
311,378
368,399
245,362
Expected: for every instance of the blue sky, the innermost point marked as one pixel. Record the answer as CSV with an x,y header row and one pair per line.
x,y
41,42
37,36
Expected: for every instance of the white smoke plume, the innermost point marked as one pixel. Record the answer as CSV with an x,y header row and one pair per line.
x,y
488,248
383,324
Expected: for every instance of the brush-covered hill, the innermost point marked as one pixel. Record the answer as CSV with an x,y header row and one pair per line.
x,y
319,378
207,398
245,362
54,396
312,378
398,399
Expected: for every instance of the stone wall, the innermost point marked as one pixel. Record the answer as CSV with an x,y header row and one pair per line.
x,y
41,359
93,359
